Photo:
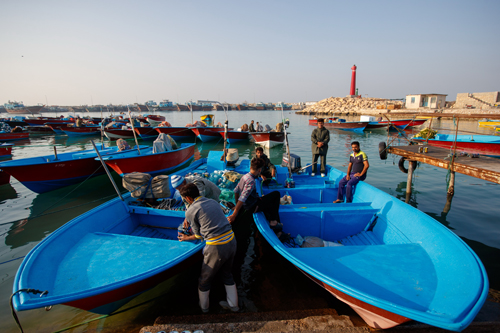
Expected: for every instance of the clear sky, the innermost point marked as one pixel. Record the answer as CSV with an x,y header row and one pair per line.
x,y
67,52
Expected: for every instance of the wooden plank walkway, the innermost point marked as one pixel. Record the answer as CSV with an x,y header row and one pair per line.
x,y
487,168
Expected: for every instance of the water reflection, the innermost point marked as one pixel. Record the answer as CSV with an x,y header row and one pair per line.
x,y
7,192
48,211
409,198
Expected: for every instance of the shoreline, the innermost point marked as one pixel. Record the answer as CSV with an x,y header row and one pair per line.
x,y
448,113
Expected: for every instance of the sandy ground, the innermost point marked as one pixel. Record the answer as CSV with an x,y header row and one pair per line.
x,y
317,320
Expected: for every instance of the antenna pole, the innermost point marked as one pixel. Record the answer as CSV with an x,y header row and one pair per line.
x,y
107,171
133,131
287,147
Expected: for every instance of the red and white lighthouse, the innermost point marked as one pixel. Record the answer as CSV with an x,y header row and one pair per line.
x,y
353,81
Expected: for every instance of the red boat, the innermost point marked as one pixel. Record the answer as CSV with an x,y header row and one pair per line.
x,y
207,133
155,120
269,139
40,121
149,162
314,121
356,126
13,136
82,131
401,123
50,172
5,149
146,132
40,129
115,133
473,144
235,136
176,132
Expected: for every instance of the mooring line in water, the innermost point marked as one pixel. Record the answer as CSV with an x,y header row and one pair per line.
x,y
1,263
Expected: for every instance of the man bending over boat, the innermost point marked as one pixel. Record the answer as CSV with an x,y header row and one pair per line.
x,y
246,197
356,171
206,188
268,170
208,222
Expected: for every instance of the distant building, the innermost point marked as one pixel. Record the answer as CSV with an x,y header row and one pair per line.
x,y
431,101
477,100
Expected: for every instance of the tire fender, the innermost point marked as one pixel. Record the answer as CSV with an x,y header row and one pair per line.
x,y
401,164
382,150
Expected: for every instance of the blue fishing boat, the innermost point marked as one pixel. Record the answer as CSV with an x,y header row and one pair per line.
x,y
386,259
103,258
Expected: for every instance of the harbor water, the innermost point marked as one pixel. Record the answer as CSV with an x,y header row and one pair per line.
x,y
265,281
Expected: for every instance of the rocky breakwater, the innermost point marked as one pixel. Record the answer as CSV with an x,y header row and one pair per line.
x,y
351,105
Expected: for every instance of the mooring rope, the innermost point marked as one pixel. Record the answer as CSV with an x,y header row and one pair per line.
x,y
14,314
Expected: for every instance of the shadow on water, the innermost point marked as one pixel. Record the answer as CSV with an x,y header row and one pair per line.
x,y
489,255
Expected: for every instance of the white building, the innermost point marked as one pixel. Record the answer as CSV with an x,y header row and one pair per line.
x,y
431,101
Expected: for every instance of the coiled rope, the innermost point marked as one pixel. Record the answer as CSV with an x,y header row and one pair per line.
x,y
14,314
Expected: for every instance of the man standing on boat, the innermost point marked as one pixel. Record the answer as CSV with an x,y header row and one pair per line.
x,y
208,222
268,170
320,137
246,197
251,128
356,171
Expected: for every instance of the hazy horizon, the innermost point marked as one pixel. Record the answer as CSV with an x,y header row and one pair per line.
x,y
124,52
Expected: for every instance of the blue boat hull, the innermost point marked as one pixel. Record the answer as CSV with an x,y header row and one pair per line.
x,y
390,262
101,259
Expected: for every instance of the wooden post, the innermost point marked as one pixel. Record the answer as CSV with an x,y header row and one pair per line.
x,y
408,181
449,193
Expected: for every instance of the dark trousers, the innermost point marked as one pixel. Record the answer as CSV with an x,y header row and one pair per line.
x,y
217,258
346,187
269,205
323,163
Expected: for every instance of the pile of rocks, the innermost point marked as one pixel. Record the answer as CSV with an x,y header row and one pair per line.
x,y
336,105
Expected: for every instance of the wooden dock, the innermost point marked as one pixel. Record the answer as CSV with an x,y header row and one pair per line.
x,y
486,168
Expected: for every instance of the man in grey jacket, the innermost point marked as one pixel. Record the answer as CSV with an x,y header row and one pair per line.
x,y
320,138
208,222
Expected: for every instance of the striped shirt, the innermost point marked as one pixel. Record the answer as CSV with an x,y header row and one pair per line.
x,y
247,190
209,222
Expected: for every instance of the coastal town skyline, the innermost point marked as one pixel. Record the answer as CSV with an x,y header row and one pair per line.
x,y
114,52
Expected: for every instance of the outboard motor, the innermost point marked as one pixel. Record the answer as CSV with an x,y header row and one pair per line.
x,y
294,162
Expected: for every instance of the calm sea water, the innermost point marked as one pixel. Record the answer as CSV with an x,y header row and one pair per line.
x,y
265,282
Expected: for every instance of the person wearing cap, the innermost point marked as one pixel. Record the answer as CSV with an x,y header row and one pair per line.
x,y
320,137
208,222
206,188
